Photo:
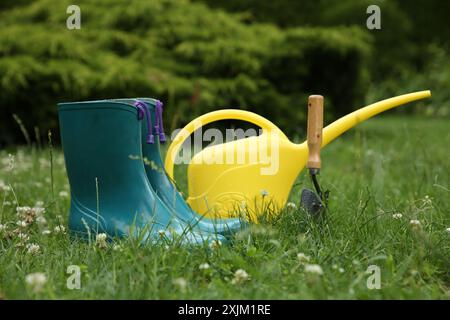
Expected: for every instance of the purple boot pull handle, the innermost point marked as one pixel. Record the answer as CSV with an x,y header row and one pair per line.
x,y
159,128
143,110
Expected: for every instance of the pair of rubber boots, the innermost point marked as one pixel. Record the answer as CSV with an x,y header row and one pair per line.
x,y
118,184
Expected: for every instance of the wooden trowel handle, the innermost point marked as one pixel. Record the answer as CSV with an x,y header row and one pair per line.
x,y
314,135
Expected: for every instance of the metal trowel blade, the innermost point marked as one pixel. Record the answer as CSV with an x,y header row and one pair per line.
x,y
311,202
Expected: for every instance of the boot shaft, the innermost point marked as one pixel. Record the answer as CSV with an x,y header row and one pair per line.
x,y
109,190
101,142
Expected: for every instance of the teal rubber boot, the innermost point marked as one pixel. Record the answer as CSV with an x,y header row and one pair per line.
x,y
110,191
161,183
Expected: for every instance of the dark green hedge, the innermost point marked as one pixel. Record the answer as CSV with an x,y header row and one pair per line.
x,y
194,58
407,27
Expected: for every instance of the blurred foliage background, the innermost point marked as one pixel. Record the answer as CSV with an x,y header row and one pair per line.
x,y
198,56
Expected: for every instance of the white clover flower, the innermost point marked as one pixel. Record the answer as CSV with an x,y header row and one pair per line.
x,y
63,194
341,270
313,269
415,223
33,248
2,227
448,230
291,205
240,276
180,283
41,221
302,258
23,236
101,237
204,266
23,210
427,200
36,281
60,229
46,232
264,193
29,213
397,216
22,223
215,244
100,240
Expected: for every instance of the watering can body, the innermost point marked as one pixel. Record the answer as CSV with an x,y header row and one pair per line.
x,y
254,175
258,181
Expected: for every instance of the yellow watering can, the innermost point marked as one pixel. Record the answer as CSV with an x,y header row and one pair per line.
x,y
255,174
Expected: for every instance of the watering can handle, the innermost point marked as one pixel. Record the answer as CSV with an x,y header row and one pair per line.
x,y
314,132
225,114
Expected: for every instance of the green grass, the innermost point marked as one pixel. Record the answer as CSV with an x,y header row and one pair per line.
x,y
383,167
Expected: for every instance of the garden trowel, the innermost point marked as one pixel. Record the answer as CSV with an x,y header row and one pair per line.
x,y
314,202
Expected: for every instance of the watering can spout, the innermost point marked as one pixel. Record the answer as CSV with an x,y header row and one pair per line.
x,y
347,122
